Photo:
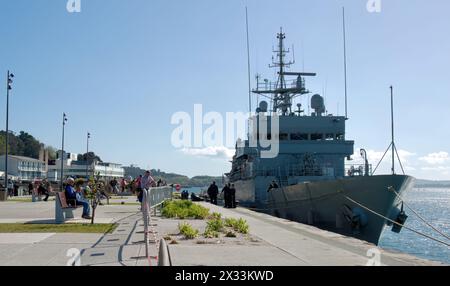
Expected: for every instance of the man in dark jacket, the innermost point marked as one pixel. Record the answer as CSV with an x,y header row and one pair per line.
x,y
232,197
226,195
213,191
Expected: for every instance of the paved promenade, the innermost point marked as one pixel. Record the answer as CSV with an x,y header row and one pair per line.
x,y
272,242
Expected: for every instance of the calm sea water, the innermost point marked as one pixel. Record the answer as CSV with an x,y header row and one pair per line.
x,y
434,206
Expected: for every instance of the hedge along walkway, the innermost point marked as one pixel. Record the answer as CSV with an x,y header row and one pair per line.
x,y
54,228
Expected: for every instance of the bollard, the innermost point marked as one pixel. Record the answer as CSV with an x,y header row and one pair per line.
x,y
163,256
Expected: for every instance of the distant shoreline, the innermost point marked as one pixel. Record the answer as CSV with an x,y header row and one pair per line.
x,y
432,184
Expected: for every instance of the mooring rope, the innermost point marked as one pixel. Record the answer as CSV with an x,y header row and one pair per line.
x,y
418,215
394,222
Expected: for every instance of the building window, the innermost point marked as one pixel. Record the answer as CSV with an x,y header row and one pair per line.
x,y
299,136
340,137
316,137
329,137
283,137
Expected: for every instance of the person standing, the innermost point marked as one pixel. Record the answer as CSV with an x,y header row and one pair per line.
x,y
213,191
123,185
114,187
137,185
232,197
30,188
226,195
16,189
147,182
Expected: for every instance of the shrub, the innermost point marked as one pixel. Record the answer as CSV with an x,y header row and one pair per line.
x,y
215,225
184,209
198,212
216,216
242,226
188,231
239,225
230,222
211,233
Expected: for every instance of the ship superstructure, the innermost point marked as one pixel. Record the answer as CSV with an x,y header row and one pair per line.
x,y
309,171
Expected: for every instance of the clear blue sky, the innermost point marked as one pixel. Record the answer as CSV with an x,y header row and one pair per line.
x,y
120,69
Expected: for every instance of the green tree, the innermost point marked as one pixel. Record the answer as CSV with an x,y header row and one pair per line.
x,y
89,157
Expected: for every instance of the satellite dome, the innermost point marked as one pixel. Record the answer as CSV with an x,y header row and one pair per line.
x,y
263,106
318,104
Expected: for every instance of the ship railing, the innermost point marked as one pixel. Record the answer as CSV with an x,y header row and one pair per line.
x,y
290,172
352,170
274,86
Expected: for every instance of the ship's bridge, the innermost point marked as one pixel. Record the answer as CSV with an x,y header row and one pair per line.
x,y
319,140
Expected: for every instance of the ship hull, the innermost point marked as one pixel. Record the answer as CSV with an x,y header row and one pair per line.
x,y
327,205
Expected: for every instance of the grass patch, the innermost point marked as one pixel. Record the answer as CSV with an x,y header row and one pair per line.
x,y
188,231
183,210
57,228
20,200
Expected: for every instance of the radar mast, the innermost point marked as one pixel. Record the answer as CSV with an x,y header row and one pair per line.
x,y
283,91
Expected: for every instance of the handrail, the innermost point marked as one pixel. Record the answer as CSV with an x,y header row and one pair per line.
x,y
151,199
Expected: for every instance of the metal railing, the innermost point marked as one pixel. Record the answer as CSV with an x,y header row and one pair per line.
x,y
151,199
357,170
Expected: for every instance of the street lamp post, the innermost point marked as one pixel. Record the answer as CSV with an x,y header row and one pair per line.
x,y
62,153
87,155
9,82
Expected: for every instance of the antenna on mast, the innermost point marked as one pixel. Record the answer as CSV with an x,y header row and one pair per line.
x,y
392,130
248,65
392,145
345,61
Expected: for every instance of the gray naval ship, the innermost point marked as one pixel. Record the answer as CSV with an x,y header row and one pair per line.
x,y
308,180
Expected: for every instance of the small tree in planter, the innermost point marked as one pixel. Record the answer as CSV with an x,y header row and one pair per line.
x,y
94,188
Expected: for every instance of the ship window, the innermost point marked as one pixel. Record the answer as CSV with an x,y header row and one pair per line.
x,y
316,137
340,137
329,136
284,137
299,136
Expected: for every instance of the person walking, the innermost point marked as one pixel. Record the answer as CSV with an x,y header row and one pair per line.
x,y
43,191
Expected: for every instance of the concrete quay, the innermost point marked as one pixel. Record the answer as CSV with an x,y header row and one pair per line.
x,y
271,242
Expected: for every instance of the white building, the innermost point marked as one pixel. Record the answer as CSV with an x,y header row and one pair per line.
x,y
23,168
80,169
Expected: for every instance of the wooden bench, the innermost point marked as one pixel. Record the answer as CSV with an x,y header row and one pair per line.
x,y
64,208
